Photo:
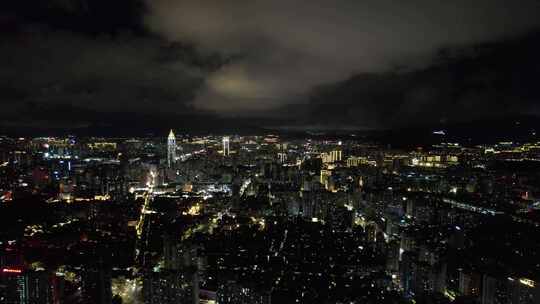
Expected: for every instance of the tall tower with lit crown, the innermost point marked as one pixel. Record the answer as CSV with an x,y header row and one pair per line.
x,y
171,149
226,148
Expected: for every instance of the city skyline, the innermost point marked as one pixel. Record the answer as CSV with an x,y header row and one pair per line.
x,y
245,219
269,152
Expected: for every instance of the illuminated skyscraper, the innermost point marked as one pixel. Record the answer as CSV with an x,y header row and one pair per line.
x,y
335,155
226,149
331,156
171,149
282,157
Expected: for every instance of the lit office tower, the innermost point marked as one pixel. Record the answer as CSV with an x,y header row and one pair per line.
x,y
335,155
177,281
282,157
226,149
13,286
171,149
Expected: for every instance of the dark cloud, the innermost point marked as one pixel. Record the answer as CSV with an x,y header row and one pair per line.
x,y
81,16
292,46
47,66
95,57
467,83
314,62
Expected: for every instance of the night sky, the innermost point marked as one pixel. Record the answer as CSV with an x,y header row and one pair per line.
x,y
290,64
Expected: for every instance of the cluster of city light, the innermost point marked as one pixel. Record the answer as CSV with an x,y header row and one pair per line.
x,y
259,221
128,289
33,230
11,270
194,210
527,282
68,198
